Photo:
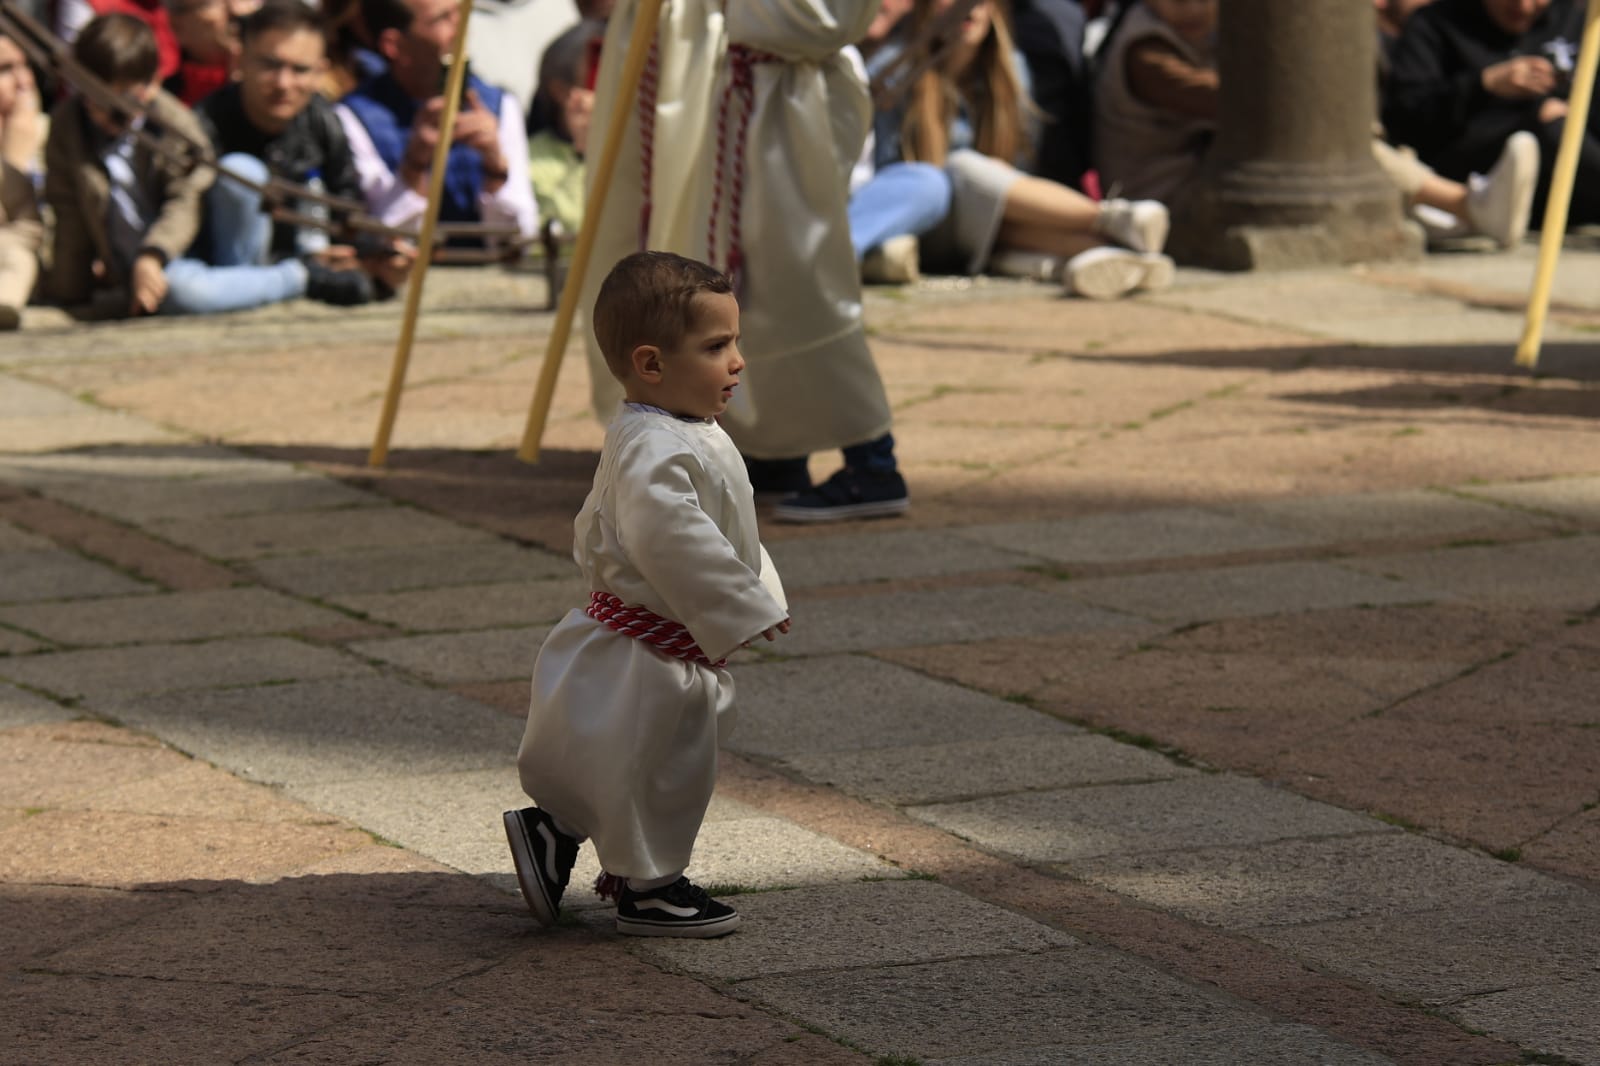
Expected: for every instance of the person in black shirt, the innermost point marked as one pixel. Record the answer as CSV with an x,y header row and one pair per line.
x,y
272,123
1467,74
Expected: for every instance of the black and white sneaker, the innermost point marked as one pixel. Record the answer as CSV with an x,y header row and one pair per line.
x,y
679,909
543,856
849,493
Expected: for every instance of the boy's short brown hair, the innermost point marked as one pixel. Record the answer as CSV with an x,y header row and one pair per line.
x,y
118,49
648,298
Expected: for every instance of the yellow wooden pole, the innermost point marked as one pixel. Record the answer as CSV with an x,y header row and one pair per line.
x,y
643,35
419,269
1561,181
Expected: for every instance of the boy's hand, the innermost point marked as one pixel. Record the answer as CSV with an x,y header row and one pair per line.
x,y
772,633
148,285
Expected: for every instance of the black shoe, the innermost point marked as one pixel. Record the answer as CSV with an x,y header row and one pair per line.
x,y
850,493
543,856
678,909
780,477
342,288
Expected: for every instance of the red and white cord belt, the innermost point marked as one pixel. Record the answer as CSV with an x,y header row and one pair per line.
x,y
670,638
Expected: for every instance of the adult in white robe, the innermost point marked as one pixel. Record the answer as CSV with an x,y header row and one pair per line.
x,y
810,384
621,740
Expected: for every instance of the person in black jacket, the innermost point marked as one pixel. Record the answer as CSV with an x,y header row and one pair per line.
x,y
272,123
1467,74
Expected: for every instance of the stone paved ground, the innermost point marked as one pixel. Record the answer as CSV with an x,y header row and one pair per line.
x,y
1230,694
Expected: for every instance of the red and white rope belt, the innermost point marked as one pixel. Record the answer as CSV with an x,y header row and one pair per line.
x,y
670,638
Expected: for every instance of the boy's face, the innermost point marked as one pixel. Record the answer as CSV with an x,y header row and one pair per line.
x,y
1515,16
697,376
278,71
114,125
1193,20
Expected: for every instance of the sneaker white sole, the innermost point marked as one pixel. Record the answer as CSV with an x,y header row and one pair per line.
x,y
690,930
526,861
1104,273
876,509
1159,273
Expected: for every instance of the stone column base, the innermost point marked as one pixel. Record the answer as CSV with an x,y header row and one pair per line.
x,y
1279,216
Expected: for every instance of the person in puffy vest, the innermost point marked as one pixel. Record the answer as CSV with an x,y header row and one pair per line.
x,y
392,120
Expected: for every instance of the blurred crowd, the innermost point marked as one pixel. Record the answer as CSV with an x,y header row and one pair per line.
x,y
1053,139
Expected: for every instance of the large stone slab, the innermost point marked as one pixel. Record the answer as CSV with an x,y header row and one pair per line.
x,y
1069,825
478,655
416,567
1552,1019
16,539
178,461
104,672
19,707
41,419
325,731
170,617
933,773
1278,1044
848,703
1005,1005
881,923
145,500
433,610
1242,591
1296,882
1136,536
1574,498
860,558
938,616
93,1020
1547,573
1416,514
1443,956
28,576
293,533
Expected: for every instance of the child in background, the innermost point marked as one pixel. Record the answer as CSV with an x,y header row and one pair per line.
x,y
631,695
558,125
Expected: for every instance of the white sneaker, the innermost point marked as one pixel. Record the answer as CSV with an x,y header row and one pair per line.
x,y
1035,266
1137,224
1498,202
1106,273
894,262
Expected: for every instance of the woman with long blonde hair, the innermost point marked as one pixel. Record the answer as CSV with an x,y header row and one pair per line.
x,y
971,114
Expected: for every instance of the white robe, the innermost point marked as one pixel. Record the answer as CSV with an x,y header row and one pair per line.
x,y
811,384
621,740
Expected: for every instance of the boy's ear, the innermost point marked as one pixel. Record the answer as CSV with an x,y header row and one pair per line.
x,y
646,360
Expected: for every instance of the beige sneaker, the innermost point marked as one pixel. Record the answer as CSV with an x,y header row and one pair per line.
x,y
1106,273
894,262
1140,225
1498,202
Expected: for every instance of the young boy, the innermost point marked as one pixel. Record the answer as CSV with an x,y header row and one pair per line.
x,y
631,696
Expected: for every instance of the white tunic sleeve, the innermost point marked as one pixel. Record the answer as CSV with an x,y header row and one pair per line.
x,y
682,555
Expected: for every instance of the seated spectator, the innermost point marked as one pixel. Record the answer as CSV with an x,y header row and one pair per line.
x,y
971,114
125,213
561,108
393,124
20,231
207,45
272,124
1469,74
1156,111
73,15
891,206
